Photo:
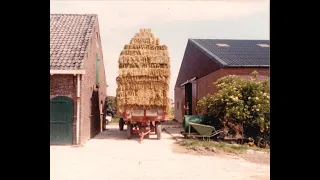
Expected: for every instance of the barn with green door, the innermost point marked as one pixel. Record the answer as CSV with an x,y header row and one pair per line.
x,y
77,79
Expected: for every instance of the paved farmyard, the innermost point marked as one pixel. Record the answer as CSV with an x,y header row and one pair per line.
x,y
110,156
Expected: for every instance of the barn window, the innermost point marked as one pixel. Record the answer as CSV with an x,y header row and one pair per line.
x,y
222,45
263,45
97,69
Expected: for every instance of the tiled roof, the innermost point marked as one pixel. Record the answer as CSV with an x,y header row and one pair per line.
x,y
236,53
69,37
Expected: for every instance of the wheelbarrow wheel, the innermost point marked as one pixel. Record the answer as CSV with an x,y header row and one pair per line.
x,y
158,130
121,124
129,130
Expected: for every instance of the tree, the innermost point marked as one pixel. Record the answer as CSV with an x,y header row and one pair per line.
x,y
241,105
109,105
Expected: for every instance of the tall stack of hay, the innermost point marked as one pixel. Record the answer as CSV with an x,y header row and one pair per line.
x,y
144,73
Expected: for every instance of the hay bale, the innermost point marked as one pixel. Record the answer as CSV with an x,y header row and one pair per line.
x,y
144,73
144,59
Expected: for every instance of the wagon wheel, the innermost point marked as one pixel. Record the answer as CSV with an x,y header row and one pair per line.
x,y
129,130
121,124
158,130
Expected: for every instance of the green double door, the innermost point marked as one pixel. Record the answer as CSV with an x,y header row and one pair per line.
x,y
61,118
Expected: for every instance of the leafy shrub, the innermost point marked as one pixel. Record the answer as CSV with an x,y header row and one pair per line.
x,y
241,105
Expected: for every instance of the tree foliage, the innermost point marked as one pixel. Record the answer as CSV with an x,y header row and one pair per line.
x,y
110,103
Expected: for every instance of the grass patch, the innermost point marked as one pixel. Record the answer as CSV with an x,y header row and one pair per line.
x,y
115,120
219,145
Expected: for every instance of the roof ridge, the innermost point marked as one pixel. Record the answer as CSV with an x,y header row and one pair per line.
x,y
209,54
230,39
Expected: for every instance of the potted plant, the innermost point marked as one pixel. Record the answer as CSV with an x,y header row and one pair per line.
x,y
251,142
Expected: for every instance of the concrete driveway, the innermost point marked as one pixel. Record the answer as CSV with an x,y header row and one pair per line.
x,y
111,156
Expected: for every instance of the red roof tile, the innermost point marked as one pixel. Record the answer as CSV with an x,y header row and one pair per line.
x,y
69,37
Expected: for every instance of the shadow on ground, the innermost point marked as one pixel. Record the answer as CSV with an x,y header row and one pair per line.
x,y
175,132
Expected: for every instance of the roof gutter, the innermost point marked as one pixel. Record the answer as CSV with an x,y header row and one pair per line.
x,y
248,66
74,72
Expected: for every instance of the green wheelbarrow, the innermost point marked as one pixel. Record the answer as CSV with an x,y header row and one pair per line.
x,y
203,131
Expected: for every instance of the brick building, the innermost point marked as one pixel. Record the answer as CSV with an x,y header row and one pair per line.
x,y
206,60
77,78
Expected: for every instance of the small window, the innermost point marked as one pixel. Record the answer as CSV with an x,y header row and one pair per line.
x,y
263,45
222,45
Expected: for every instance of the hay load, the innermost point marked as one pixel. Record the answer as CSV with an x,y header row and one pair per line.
x,y
144,73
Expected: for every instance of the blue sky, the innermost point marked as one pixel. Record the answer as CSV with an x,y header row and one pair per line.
x,y
174,22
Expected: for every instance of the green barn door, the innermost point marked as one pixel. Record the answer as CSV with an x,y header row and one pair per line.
x,y
61,117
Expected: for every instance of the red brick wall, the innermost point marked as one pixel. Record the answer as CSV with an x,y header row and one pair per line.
x,y
89,83
195,63
205,84
102,74
179,94
178,107
65,85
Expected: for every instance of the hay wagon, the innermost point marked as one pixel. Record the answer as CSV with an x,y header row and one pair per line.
x,y
143,121
143,85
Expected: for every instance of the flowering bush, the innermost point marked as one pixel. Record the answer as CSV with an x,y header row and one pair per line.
x,y
242,105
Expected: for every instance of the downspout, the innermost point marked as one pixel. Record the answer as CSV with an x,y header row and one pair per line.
x,y
78,109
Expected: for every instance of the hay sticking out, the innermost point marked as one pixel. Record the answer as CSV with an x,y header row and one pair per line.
x,y
134,52
133,79
146,46
145,59
144,73
143,65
